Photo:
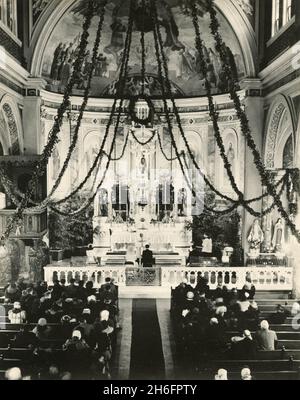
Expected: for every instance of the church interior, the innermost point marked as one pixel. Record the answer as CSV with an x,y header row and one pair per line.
x,y
149,189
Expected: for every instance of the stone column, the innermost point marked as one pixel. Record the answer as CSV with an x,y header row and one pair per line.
x,y
32,126
255,113
267,223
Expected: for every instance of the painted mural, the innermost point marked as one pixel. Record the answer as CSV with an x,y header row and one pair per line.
x,y
38,7
179,45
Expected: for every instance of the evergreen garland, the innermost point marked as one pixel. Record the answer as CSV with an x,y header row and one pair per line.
x,y
229,68
53,134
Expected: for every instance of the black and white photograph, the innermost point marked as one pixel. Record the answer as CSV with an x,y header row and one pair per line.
x,y
149,193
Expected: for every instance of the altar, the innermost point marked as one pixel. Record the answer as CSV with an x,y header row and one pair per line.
x,y
169,241
143,201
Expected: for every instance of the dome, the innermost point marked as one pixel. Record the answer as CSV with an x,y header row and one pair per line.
x,y
179,46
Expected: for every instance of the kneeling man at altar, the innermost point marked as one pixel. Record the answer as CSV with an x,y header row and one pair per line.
x,y
147,257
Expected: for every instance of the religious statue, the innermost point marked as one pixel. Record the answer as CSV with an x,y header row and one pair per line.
x,y
143,164
182,202
226,254
207,245
278,236
103,203
256,236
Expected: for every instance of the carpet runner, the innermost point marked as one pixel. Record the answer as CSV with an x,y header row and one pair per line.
x,y
147,358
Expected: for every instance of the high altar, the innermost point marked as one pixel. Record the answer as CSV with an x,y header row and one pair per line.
x,y
144,200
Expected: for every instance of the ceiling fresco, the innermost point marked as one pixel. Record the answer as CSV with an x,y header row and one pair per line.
x,y
179,46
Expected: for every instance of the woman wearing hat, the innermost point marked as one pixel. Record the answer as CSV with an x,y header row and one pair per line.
x,y
16,315
77,355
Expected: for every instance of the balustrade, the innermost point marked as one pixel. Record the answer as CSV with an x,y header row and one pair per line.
x,y
264,278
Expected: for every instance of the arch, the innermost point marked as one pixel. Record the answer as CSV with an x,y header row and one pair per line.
x,y
12,117
243,29
279,127
297,145
43,31
196,143
90,148
4,135
232,148
235,16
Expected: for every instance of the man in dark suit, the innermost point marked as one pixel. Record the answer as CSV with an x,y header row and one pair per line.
x,y
194,254
147,257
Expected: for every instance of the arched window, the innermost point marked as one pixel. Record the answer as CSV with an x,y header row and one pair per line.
x,y
282,12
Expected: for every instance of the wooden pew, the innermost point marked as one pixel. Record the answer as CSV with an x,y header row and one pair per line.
x,y
282,335
256,365
259,375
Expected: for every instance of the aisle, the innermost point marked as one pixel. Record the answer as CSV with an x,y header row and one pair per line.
x,y
147,357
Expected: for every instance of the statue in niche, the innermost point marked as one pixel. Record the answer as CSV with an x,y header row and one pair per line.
x,y
103,203
182,202
256,236
56,163
143,165
278,236
90,157
30,224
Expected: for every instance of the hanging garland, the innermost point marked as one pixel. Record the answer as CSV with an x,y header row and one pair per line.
x,y
131,109
170,159
231,72
120,88
53,134
214,115
229,66
143,68
46,201
240,201
122,152
212,109
85,99
166,81
159,54
154,133
119,94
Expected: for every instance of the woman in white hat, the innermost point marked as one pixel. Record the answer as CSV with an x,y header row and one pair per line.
x,y
246,374
16,315
221,375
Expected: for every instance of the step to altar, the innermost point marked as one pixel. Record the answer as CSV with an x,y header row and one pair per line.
x,y
144,292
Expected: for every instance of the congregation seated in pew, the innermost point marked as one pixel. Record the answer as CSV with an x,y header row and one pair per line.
x,y
60,325
204,319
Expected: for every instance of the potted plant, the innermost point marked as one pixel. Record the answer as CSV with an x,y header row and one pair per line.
x,y
222,229
70,235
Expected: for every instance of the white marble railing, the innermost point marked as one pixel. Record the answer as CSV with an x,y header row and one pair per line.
x,y
264,278
87,273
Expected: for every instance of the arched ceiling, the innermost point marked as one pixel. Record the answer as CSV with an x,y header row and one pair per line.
x,y
179,44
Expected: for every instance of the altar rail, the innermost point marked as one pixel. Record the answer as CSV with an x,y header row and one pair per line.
x,y
264,278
